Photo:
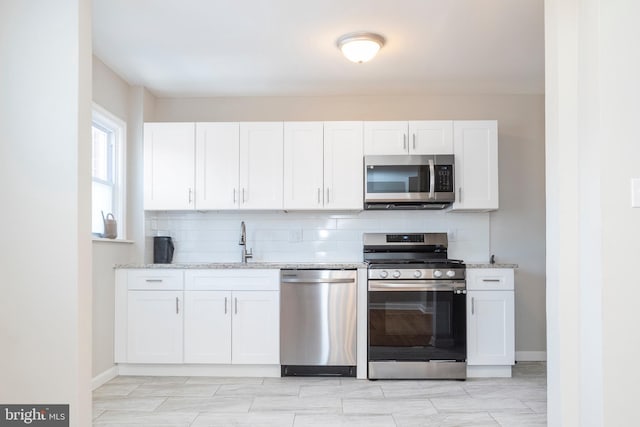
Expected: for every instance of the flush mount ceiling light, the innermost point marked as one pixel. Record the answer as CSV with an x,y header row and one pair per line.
x,y
360,47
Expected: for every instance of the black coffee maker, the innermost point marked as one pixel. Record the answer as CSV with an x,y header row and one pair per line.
x,y
162,250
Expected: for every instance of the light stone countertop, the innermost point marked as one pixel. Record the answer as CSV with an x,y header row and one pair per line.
x,y
253,265
487,265
283,265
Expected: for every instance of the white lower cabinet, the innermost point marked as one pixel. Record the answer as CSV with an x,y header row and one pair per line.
x,y
207,327
232,316
490,318
154,332
215,317
255,328
231,327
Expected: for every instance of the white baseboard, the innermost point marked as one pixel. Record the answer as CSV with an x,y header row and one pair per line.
x,y
200,370
502,371
531,356
104,377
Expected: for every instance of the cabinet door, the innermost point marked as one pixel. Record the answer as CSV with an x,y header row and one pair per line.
x,y
169,156
490,328
343,165
217,165
256,327
207,327
154,332
385,138
431,137
261,150
475,146
303,165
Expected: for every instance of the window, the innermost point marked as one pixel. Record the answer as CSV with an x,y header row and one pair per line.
x,y
108,146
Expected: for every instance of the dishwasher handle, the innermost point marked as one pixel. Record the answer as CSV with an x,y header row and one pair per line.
x,y
314,281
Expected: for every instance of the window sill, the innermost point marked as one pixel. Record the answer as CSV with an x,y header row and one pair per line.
x,y
102,239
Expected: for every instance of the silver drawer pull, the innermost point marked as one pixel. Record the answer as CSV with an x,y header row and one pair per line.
x,y
491,280
153,280
177,307
225,305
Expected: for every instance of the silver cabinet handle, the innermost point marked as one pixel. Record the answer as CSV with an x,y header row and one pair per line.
x,y
404,141
473,308
327,195
460,194
414,141
234,196
153,280
177,307
432,179
190,195
225,305
243,199
236,305
490,280
319,192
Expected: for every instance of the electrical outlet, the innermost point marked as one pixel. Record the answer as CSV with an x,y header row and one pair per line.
x,y
452,234
295,236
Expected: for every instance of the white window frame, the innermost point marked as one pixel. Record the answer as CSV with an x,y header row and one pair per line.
x,y
103,118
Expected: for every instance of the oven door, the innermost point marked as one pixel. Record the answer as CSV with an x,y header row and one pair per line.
x,y
413,320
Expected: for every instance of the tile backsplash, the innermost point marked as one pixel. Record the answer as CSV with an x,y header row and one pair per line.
x,y
308,236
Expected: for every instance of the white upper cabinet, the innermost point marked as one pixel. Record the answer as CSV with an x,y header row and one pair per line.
x,y
217,165
323,165
303,165
414,137
431,137
385,138
169,156
239,166
343,166
261,152
476,165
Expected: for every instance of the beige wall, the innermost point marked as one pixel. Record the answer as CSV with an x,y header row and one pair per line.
x,y
113,94
517,229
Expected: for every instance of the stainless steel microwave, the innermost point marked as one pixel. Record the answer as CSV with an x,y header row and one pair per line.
x,y
409,181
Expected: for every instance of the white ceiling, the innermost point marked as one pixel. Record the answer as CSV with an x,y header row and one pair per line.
x,y
180,48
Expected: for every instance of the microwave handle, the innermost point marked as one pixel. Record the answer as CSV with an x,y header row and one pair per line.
x,y
432,179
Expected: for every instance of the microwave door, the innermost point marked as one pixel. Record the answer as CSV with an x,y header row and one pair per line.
x,y
397,182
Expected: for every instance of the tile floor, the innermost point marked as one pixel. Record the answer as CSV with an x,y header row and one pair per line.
x,y
210,401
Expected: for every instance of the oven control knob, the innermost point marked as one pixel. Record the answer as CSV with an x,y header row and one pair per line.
x,y
417,274
396,274
383,274
437,274
451,273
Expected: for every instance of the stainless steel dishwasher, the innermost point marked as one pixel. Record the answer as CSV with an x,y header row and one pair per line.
x,y
318,322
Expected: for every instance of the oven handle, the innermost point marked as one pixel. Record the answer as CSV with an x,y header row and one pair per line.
x,y
416,285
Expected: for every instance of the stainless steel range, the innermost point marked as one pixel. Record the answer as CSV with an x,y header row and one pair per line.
x,y
416,307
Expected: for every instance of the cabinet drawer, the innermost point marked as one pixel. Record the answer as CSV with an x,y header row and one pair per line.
x,y
155,280
233,280
490,279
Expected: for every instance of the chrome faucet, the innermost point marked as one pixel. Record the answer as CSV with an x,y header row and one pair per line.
x,y
246,254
